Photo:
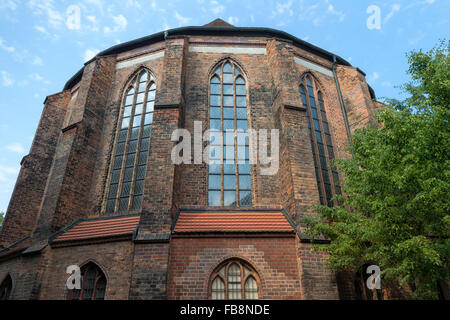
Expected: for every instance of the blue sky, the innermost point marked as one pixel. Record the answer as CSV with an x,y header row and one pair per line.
x,y
43,43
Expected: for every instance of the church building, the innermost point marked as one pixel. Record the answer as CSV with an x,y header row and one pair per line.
x,y
102,188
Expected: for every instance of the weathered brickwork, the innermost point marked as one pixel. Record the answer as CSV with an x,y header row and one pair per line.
x,y
192,260
35,167
67,173
113,258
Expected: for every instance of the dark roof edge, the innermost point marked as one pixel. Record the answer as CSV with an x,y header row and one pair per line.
x,y
209,30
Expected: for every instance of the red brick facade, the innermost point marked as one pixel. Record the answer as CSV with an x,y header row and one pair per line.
x,y
66,175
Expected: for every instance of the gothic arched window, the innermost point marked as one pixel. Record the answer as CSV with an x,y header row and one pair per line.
x,y
234,280
93,284
229,180
131,151
322,147
6,288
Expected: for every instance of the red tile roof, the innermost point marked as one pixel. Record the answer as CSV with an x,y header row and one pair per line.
x,y
99,228
232,222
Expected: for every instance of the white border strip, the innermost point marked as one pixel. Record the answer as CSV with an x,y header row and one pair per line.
x,y
313,66
132,62
236,50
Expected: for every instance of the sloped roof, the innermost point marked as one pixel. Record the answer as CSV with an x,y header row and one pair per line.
x,y
218,23
98,229
274,221
16,247
213,28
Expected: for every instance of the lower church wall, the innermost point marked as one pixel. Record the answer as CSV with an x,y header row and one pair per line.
x,y
192,260
114,258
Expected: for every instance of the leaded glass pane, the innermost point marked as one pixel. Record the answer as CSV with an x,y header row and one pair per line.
x,y
251,289
214,198
227,68
214,182
229,182
228,103
137,202
218,289
325,185
145,144
234,282
244,182
245,198
124,173
229,198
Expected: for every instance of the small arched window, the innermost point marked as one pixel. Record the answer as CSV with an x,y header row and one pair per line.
x,y
234,279
6,288
321,144
129,162
93,284
229,182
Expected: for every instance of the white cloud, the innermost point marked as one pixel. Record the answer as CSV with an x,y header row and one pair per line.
x,y
45,7
8,4
6,171
233,20
181,19
374,77
120,24
94,23
134,3
16,147
285,7
395,8
3,46
37,61
90,53
386,84
216,7
333,11
41,29
7,80
35,77
97,3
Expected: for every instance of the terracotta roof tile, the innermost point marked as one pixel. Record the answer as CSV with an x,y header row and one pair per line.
x,y
99,228
232,222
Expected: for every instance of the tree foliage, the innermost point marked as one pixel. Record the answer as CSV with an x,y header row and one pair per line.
x,y
395,208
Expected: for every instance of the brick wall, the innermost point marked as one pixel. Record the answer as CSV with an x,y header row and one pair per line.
x,y
192,261
317,280
25,202
113,258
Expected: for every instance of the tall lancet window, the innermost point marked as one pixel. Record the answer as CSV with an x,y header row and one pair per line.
x,y
229,180
132,147
322,147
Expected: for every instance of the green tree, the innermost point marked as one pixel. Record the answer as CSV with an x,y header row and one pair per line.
x,y
2,216
395,208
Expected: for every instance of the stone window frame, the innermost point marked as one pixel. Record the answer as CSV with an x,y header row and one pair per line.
x,y
131,84
322,136
224,277
237,72
99,275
